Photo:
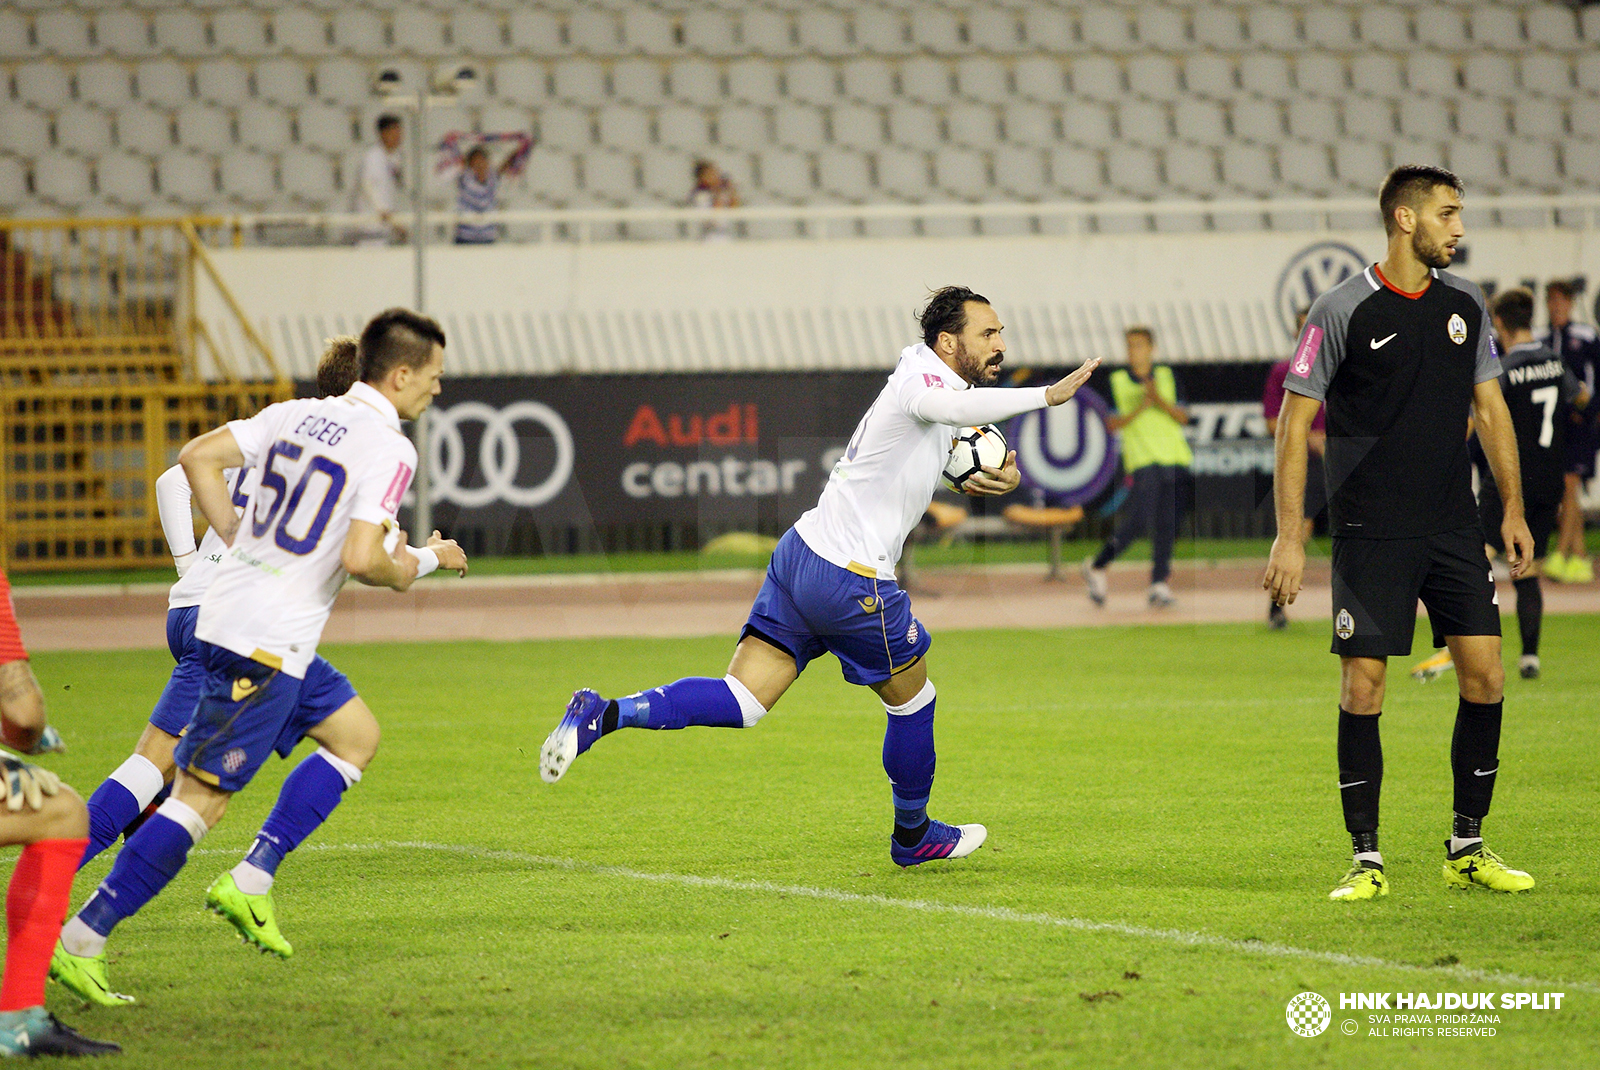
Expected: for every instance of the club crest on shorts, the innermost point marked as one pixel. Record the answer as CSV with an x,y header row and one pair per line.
x,y
911,632
233,761
1344,625
1458,329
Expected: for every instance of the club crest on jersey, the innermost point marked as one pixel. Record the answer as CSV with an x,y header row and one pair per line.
x,y
1458,329
1344,625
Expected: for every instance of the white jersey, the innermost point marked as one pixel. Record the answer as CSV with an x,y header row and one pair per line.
x,y
321,463
882,485
174,495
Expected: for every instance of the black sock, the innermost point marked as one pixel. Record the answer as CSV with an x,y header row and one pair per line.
x,y
1530,612
1467,828
608,720
1365,843
1360,774
910,837
1475,756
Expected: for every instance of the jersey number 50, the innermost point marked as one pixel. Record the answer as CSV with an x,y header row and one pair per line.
x,y
278,483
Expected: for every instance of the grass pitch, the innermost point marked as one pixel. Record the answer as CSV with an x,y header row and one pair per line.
x,y
1164,830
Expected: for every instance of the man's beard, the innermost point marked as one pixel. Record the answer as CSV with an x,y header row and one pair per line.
x,y
975,371
1435,255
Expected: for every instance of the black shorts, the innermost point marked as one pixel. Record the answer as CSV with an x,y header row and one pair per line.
x,y
1583,442
1376,584
1541,522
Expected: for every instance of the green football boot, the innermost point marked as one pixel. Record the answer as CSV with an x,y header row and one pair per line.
x,y
1364,881
34,1031
1478,867
85,977
251,915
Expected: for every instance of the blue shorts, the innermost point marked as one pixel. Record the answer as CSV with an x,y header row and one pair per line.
x,y
808,607
323,691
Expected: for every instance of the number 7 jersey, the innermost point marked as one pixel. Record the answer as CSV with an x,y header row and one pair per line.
x,y
322,463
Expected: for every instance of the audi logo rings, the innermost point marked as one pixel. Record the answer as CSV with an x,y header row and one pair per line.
x,y
499,454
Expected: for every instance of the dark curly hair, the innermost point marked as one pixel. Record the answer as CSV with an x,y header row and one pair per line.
x,y
946,311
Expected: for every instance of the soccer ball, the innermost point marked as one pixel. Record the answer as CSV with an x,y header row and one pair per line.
x,y
971,449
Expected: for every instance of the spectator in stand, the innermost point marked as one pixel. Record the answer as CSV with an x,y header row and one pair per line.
x,y
1154,452
477,182
378,186
713,190
1579,347
1316,443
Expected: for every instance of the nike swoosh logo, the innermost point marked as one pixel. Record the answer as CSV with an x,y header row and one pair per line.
x,y
1379,345
259,920
1352,784
1486,772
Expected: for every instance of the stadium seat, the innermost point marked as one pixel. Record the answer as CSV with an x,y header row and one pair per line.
x,y
567,128
611,175
1491,74
186,179
1266,74
308,177
1555,26
857,126
753,80
180,31
1160,27
822,31
1248,168
1049,29
1144,123
44,84
1106,28
1483,120
1133,170
1369,119
1442,26
976,126
1478,164
1426,118
240,31
1258,120
125,179
552,177
358,31
1041,78
1359,165
1202,122
64,32
416,31
1321,73
666,174
926,80
1385,26
1432,73
936,29
882,31
683,127
16,37
1097,78
534,31
694,81
162,82
1078,172
1585,118
989,27
283,81
1533,117
1271,26
1376,74
648,32
1087,124
1546,73
1218,27
983,79
1496,26
799,126
624,128
580,80
1331,27
1209,75
786,175
222,81
83,130
1587,72
743,128
1192,170
1155,76
326,127
300,31
868,80
1532,165
767,32
522,81
709,32
914,126
1313,119
247,177
902,173
506,119
594,32
1580,162
478,33
203,128
263,126
1307,169
638,81
23,130
845,174
1031,125
144,130
106,83
1020,171
811,81
61,180
962,173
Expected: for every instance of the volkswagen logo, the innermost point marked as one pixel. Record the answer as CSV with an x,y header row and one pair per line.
x,y
499,454
1065,451
1312,272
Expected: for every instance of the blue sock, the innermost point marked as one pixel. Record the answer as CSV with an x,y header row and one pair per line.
x,y
694,700
909,759
111,808
145,866
309,794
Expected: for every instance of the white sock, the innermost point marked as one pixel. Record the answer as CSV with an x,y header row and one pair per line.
x,y
1457,842
79,939
750,707
141,777
252,880
1373,857
181,812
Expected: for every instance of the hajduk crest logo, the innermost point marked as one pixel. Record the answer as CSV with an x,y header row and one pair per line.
x,y
1308,1014
1458,329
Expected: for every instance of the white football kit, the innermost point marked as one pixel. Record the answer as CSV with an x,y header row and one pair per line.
x,y
319,464
882,485
173,498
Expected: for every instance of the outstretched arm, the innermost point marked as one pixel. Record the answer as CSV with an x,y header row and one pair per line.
x,y
204,459
987,405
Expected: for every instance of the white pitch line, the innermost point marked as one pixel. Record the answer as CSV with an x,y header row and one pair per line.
x,y
1180,937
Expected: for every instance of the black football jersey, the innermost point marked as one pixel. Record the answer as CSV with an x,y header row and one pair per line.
x,y
1539,389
